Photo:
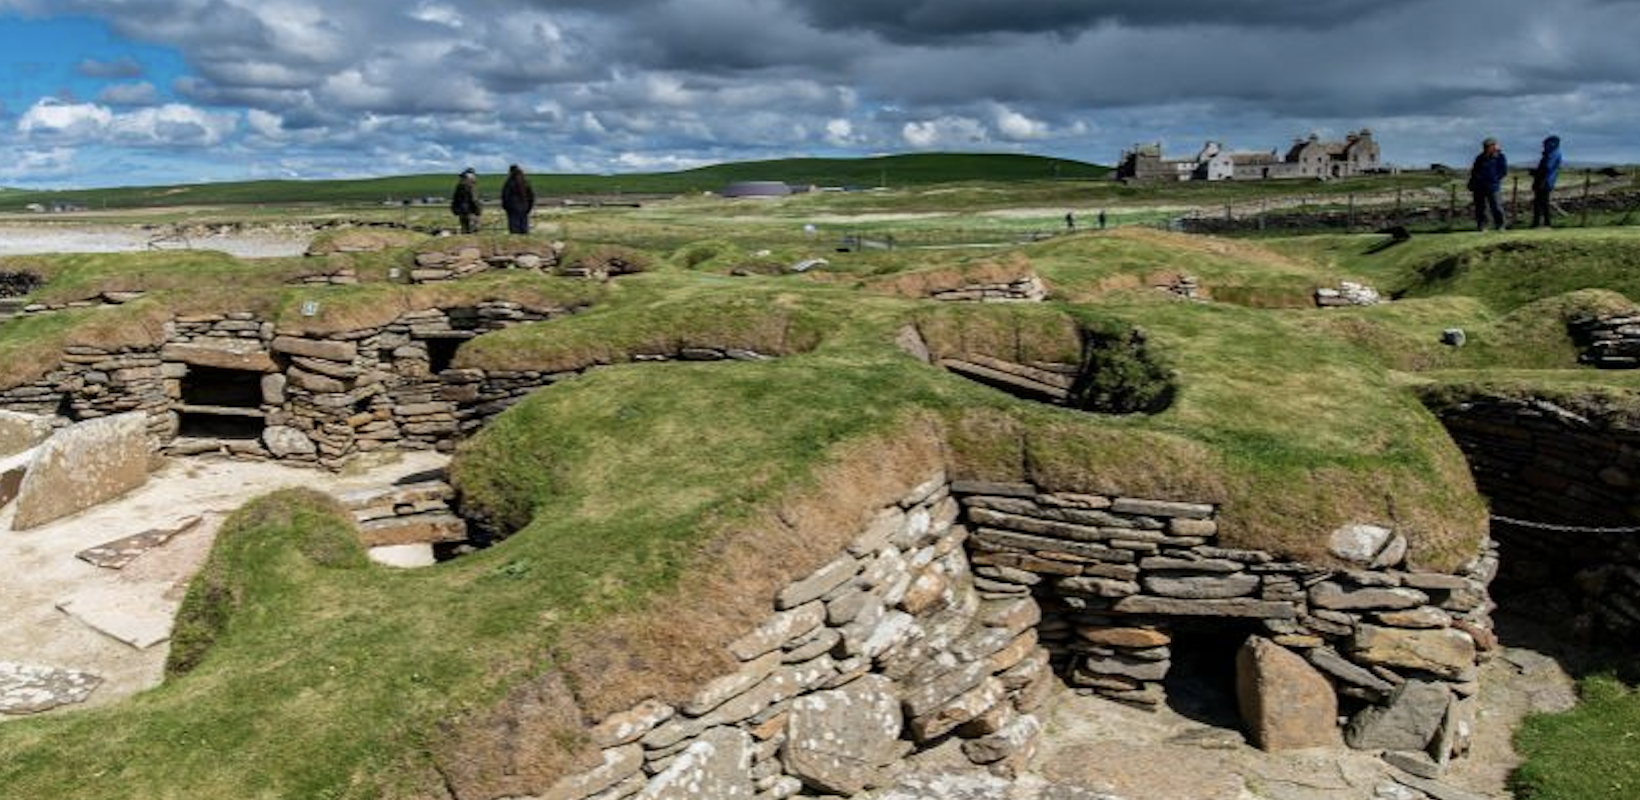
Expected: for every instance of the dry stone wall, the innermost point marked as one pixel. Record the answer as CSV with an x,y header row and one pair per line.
x,y
1609,341
1539,462
452,264
1027,289
1118,579
958,612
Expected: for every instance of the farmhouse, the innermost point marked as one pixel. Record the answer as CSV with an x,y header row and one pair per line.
x,y
1308,157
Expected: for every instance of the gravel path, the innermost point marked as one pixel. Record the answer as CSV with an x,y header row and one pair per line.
x,y
19,239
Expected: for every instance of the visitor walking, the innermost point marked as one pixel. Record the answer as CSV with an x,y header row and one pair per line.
x,y
1070,220
1486,184
464,203
518,200
1543,181
1101,219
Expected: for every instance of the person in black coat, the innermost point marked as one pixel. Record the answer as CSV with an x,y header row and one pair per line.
x,y
518,199
464,203
1486,184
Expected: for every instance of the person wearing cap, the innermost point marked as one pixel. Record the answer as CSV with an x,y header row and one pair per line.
x,y
464,203
517,199
1543,181
1486,184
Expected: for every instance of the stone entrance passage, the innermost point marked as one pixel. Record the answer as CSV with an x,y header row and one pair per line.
x,y
1561,479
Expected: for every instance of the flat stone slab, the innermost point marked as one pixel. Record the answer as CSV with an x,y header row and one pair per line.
x,y
137,614
26,689
404,556
119,553
83,466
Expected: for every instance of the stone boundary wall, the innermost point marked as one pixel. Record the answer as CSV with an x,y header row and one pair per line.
x,y
884,652
1540,462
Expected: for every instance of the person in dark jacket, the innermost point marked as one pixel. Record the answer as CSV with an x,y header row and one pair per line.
x,y
464,203
1486,184
1543,181
518,200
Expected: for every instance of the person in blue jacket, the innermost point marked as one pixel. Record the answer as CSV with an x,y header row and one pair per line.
x,y
1543,181
1486,184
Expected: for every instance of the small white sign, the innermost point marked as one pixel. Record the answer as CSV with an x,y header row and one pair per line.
x,y
310,308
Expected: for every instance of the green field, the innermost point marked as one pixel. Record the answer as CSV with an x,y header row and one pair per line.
x,y
301,670
895,171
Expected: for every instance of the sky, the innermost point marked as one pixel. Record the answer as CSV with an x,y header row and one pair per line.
x,y
127,92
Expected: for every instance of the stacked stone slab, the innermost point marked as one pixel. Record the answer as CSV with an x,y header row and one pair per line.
x,y
98,382
1027,289
1347,294
1115,576
1048,382
1610,341
1563,470
109,298
343,276
461,261
401,524
885,651
1185,286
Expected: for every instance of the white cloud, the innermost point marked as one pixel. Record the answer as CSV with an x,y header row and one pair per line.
x,y
271,126
948,131
1018,127
54,118
172,124
437,14
839,132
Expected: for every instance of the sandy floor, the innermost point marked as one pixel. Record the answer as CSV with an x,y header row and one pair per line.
x,y
39,571
18,239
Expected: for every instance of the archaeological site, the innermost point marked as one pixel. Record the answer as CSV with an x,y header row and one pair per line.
x,y
579,523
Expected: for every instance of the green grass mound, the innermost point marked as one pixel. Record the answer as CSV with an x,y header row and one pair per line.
x,y
1590,753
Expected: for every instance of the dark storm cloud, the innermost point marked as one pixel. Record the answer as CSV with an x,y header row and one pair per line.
x,y
936,20
120,68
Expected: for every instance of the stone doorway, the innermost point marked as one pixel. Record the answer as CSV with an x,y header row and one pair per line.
x,y
219,403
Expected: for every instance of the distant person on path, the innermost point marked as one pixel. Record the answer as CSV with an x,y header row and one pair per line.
x,y
464,204
1543,181
518,200
1486,184
1070,221
1101,219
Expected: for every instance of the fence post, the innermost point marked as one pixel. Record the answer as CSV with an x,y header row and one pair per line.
x,y
1586,181
1398,218
1451,206
1229,216
1514,201
1349,214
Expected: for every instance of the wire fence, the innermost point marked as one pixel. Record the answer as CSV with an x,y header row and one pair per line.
x,y
1594,198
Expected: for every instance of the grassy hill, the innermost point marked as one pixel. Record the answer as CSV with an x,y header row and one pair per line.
x,y
898,170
